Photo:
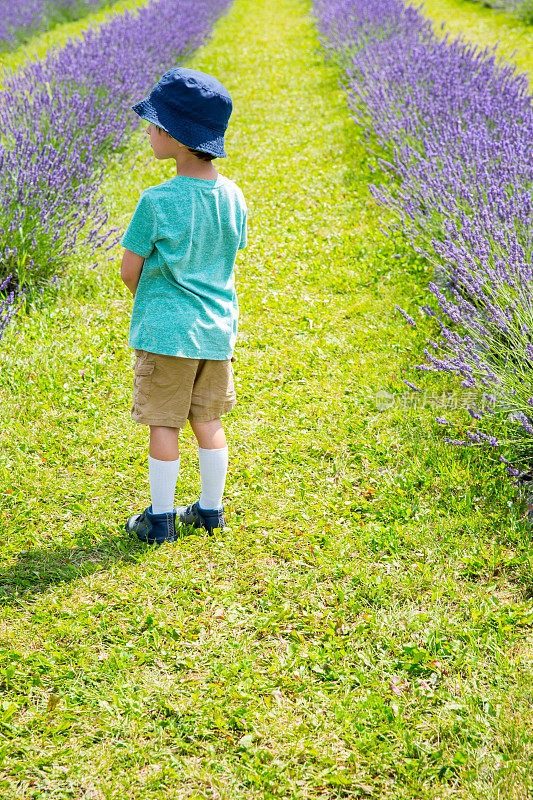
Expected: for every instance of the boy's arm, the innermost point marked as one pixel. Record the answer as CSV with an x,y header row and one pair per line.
x,y
130,270
138,241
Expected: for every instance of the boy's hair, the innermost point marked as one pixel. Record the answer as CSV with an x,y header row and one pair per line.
x,y
201,155
198,153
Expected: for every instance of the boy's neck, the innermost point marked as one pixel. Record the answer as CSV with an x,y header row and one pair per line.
x,y
188,166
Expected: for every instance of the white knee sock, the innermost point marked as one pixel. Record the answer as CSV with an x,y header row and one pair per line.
x,y
213,468
163,476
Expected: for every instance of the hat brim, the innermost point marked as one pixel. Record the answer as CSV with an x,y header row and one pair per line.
x,y
198,137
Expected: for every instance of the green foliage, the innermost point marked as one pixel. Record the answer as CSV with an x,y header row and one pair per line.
x,y
524,11
364,630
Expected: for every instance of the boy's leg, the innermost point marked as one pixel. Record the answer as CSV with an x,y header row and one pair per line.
x,y
163,467
164,443
213,458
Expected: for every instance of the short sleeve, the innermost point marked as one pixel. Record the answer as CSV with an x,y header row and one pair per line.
x,y
244,232
142,230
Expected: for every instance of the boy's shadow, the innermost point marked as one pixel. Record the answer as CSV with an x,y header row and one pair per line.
x,y
35,571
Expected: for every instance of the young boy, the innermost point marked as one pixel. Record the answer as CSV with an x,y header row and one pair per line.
x,y
181,246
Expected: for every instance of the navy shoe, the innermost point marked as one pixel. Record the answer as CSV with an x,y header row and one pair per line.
x,y
150,528
201,517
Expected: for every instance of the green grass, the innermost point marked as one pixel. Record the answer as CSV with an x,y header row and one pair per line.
x,y
364,628
486,28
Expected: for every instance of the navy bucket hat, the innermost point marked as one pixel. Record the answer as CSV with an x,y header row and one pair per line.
x,y
192,107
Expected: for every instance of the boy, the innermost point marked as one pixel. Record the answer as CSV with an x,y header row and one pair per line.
x,y
181,246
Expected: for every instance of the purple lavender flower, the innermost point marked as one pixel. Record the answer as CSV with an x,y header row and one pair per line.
x,y
24,17
456,128
62,117
520,417
406,316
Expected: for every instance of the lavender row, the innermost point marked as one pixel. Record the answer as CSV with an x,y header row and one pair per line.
x,y
60,118
457,128
22,19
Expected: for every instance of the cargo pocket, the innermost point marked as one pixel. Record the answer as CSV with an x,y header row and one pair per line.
x,y
142,381
222,385
144,369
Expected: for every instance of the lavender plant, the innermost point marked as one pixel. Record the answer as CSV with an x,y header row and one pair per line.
x,y
60,118
458,131
22,19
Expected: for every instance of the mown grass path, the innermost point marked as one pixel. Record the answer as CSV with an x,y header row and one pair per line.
x,y
364,628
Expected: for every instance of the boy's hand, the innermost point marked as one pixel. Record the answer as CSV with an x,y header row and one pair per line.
x,y
130,270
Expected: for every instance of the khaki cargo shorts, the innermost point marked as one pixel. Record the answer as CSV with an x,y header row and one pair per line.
x,y
168,390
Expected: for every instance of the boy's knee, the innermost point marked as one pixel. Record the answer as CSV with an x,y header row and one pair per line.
x,y
209,434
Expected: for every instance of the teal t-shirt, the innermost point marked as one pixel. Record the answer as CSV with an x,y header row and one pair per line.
x,y
188,230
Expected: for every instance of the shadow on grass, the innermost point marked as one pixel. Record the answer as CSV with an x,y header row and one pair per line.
x,y
35,571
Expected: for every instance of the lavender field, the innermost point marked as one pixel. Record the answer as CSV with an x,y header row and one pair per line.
x,y
18,21
364,627
61,119
457,129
